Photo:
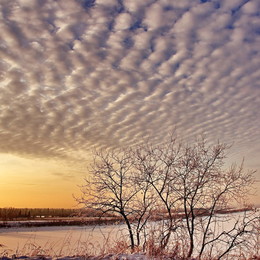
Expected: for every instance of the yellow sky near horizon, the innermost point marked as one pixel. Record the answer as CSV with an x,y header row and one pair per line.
x,y
83,74
30,183
37,183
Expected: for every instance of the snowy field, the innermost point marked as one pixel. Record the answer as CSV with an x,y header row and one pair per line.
x,y
69,240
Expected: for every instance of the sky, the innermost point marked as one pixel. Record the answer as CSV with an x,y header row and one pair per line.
x,y
82,74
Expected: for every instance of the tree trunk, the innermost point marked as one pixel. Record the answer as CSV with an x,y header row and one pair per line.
x,y
131,235
191,248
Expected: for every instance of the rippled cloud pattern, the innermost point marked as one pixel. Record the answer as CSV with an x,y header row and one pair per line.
x,y
79,74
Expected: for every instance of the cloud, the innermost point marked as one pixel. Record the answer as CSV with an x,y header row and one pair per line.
x,y
63,176
87,74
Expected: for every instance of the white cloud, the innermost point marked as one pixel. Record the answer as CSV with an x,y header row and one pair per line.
x,y
251,7
123,21
135,6
154,16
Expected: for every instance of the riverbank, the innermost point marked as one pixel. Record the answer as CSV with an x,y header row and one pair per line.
x,y
50,222
93,221
136,256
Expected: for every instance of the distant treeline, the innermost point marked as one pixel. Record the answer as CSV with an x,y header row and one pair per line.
x,y
32,213
7,214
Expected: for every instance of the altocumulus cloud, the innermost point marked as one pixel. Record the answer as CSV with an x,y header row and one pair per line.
x,y
82,73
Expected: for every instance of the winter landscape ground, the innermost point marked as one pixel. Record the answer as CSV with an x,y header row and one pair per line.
x,y
105,241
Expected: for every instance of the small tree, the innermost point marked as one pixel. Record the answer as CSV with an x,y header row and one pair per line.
x,y
113,186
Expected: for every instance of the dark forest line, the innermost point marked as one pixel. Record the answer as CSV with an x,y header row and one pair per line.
x,y
19,214
30,217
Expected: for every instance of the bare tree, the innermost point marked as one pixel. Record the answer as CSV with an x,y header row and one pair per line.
x,y
113,187
187,186
192,178
156,164
205,188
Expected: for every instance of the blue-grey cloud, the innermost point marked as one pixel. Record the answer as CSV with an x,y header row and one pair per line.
x,y
81,74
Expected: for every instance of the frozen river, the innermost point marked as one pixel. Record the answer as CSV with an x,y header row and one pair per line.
x,y
67,240
78,240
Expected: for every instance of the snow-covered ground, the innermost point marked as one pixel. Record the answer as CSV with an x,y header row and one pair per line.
x,y
69,240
